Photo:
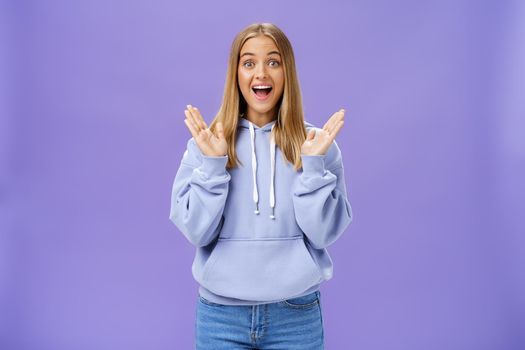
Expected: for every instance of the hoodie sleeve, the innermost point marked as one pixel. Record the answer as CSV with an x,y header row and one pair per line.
x,y
320,201
199,194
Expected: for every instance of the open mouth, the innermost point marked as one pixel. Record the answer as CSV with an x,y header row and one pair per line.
x,y
261,92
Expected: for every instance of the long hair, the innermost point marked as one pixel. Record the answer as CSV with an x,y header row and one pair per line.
x,y
289,130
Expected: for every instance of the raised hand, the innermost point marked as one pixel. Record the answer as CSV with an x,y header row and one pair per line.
x,y
318,141
210,144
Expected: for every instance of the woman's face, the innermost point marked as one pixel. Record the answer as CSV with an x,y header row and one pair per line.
x,y
261,76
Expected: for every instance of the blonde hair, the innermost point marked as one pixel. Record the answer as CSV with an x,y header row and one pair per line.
x,y
289,130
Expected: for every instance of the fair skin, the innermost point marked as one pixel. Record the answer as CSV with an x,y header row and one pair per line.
x,y
260,64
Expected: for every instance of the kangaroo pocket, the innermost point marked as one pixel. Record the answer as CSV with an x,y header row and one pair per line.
x,y
259,269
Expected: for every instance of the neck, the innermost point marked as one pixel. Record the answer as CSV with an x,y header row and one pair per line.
x,y
261,119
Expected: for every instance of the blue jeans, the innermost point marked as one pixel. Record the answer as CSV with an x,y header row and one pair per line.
x,y
295,323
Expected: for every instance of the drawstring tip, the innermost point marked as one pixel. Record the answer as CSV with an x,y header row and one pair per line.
x,y
256,211
272,217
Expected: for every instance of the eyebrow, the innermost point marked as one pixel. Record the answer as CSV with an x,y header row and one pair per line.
x,y
252,54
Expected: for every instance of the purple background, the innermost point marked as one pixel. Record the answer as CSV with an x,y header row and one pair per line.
x,y
92,133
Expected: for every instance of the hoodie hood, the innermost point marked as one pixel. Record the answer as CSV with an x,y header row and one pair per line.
x,y
245,123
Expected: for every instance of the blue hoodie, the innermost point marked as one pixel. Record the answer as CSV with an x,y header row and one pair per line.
x,y
261,229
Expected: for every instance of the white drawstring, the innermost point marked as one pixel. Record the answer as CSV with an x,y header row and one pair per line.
x,y
254,172
272,176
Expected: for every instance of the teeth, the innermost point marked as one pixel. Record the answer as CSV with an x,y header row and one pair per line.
x,y
262,87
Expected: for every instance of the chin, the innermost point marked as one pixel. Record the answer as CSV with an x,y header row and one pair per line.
x,y
257,107
262,110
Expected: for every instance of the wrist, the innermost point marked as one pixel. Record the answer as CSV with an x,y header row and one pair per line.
x,y
313,164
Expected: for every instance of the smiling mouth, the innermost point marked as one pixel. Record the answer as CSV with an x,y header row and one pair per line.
x,y
261,93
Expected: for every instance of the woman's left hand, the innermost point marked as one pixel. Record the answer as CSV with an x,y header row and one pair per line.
x,y
318,141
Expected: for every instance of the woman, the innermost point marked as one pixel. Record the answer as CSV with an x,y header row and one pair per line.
x,y
261,194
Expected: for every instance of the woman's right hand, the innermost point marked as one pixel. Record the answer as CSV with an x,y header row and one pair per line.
x,y
211,145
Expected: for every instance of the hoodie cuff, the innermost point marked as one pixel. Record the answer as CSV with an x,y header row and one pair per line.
x,y
313,165
213,166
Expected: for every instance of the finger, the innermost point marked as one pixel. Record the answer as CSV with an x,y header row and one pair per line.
x,y
328,123
199,118
336,118
337,128
220,130
191,128
190,118
193,117
331,121
311,135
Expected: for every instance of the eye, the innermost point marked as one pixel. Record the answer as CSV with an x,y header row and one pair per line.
x,y
276,63
248,64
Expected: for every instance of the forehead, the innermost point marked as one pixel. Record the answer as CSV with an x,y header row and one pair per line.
x,y
260,45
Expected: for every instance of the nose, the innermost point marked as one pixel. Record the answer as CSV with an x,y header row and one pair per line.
x,y
261,71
